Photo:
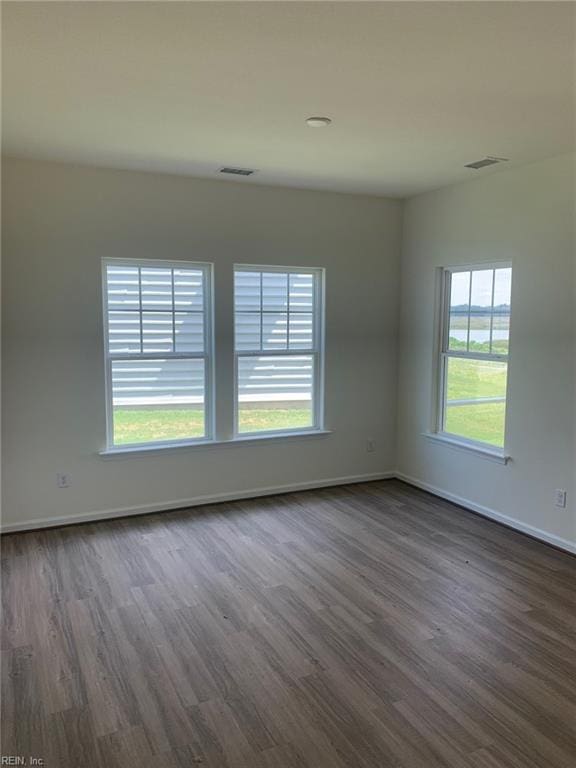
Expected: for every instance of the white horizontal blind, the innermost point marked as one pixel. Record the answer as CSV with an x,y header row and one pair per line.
x,y
157,381
154,310
158,349
274,311
285,378
278,322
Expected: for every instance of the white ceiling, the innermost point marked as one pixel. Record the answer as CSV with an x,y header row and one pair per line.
x,y
415,89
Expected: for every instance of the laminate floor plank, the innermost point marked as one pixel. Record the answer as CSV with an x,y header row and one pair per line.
x,y
372,625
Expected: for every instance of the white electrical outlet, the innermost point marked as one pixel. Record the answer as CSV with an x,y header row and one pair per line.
x,y
63,480
560,497
370,446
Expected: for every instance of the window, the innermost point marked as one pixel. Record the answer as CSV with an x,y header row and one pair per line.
x,y
158,352
474,353
278,349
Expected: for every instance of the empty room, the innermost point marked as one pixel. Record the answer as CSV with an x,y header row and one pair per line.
x,y
288,384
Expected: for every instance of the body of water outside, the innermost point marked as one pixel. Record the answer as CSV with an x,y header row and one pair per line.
x,y
479,335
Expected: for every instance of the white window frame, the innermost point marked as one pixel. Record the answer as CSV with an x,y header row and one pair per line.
x,y
444,354
207,355
316,351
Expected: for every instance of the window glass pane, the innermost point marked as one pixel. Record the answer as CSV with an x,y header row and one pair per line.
x,y
122,287
280,291
301,330
480,310
275,393
459,310
274,291
156,288
123,332
301,292
476,399
247,331
274,331
247,291
501,318
188,289
502,289
189,331
500,334
157,332
156,400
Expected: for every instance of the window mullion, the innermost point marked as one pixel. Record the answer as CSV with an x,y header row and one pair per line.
x,y
140,308
261,311
469,312
156,356
492,308
445,316
476,356
174,310
443,390
277,352
287,310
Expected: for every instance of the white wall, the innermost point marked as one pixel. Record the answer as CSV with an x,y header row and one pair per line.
x,y
525,216
59,221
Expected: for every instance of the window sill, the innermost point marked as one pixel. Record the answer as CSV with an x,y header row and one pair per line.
x,y
133,450
484,451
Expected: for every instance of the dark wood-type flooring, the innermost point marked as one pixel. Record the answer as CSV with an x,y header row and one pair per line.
x,y
364,626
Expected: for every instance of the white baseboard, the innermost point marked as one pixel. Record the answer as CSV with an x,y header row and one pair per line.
x,y
511,522
107,514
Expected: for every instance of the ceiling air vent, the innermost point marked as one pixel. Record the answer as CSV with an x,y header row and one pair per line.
x,y
238,171
477,164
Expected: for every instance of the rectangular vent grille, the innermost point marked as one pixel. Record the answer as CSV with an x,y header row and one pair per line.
x,y
486,162
238,171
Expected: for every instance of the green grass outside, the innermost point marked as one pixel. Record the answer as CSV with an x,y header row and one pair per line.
x,y
148,425
471,379
261,419
477,422
499,346
466,379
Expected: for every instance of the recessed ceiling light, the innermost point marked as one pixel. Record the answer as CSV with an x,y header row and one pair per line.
x,y
318,122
